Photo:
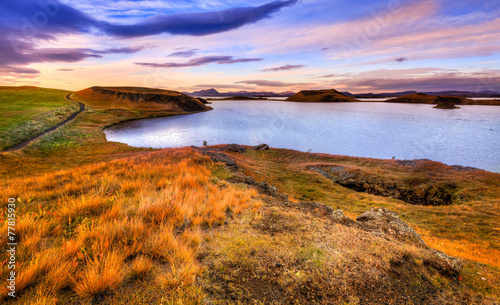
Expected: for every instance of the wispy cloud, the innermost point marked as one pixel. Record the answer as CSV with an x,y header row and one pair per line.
x,y
122,50
189,53
221,60
197,24
267,83
284,68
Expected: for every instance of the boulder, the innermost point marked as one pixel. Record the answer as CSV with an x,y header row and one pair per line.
x,y
384,222
445,264
267,189
261,147
338,217
235,148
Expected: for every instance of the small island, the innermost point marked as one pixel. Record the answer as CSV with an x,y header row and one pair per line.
x,y
321,96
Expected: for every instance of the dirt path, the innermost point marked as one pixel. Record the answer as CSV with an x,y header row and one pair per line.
x,y
69,119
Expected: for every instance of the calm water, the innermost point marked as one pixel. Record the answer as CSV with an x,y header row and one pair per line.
x,y
469,136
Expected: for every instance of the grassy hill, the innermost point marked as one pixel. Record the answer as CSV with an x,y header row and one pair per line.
x,y
320,96
28,111
138,99
104,223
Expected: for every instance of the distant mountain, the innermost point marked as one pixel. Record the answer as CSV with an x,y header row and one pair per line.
x,y
214,93
207,92
440,93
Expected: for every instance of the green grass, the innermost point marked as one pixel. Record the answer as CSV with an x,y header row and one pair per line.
x,y
24,113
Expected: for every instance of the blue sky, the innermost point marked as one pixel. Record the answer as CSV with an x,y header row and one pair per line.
x,y
287,45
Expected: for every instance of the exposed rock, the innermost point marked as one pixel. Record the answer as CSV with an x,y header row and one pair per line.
x,y
387,223
222,158
267,189
445,264
261,147
250,181
415,193
338,217
235,148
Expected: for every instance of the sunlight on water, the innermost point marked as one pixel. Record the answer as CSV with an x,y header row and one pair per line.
x,y
469,136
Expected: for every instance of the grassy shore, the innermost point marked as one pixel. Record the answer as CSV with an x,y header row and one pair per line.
x,y
102,222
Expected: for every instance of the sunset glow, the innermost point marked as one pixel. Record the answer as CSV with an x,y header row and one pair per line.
x,y
373,46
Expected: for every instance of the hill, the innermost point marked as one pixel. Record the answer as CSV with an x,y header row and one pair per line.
x,y
414,98
422,98
320,96
138,98
492,94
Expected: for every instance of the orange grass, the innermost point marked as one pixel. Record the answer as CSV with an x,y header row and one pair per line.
x,y
85,232
466,249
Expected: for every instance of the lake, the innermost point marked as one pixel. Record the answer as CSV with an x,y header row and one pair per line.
x,y
469,136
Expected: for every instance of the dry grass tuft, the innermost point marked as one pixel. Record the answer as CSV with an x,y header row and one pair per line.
x,y
180,275
102,274
141,267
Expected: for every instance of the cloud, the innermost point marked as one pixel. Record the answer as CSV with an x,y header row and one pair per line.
x,y
284,68
196,24
188,53
421,79
123,50
65,70
221,60
17,70
267,83
29,23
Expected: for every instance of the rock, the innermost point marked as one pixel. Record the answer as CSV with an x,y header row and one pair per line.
x,y
445,264
338,217
387,223
267,189
261,147
250,181
222,158
236,148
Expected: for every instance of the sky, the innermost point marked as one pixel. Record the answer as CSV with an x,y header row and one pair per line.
x,y
259,45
